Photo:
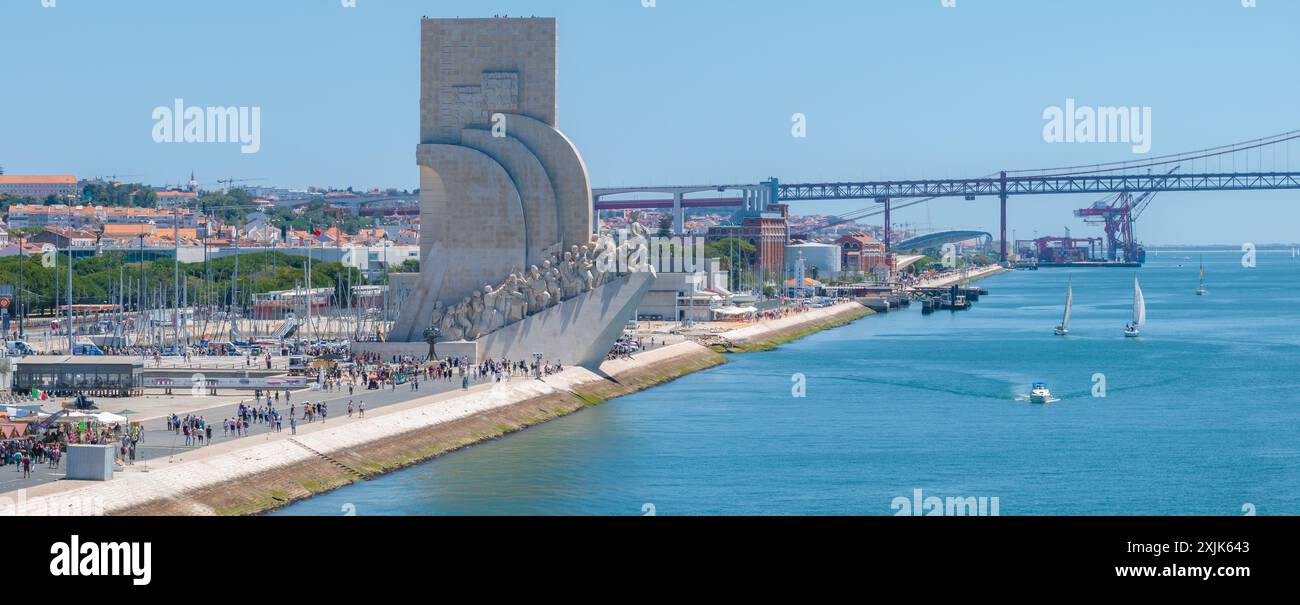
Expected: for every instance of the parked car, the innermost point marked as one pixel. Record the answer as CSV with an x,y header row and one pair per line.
x,y
18,348
86,348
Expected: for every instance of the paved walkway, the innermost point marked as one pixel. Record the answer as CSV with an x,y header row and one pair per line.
x,y
948,280
158,443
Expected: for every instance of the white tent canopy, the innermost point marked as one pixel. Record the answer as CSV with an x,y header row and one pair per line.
x,y
104,417
733,311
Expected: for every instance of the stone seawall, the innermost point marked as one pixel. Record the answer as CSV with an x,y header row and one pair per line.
x,y
768,335
242,478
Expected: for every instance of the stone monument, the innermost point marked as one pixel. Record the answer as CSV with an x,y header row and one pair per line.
x,y
507,253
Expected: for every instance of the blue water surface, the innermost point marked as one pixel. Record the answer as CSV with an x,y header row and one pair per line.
x,y
1200,415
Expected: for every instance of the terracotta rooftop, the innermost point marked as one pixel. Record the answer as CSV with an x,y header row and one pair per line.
x,y
35,179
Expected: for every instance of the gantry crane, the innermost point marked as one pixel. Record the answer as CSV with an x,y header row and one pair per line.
x,y
1118,213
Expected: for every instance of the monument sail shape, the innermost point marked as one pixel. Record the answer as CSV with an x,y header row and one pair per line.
x,y
505,199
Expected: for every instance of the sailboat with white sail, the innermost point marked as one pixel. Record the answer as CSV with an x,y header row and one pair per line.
x,y
1200,290
1139,311
1064,328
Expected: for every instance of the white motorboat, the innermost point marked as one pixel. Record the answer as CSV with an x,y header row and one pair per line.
x,y
1039,393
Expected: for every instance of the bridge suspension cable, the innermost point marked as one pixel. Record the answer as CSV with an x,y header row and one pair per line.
x,y
876,211
1086,169
1208,152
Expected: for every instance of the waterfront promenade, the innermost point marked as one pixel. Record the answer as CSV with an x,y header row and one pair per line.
x,y
161,446
958,277
267,469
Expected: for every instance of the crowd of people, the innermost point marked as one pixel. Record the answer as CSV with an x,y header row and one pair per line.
x,y
48,444
277,410
23,454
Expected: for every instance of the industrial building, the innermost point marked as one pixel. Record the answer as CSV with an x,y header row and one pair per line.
x,y
862,254
823,260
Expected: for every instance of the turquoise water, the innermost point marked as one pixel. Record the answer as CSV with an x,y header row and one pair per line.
x,y
1200,414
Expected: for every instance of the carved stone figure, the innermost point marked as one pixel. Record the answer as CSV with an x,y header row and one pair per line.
x,y
569,281
552,276
435,322
586,268
492,318
541,294
476,309
464,319
514,301
451,327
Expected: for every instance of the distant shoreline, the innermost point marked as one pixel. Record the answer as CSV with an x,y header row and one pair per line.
x,y
1222,248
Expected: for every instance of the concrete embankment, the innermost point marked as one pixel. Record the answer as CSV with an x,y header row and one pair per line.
x,y
266,472
974,275
766,335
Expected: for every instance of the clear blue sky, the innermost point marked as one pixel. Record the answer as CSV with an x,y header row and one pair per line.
x,y
692,91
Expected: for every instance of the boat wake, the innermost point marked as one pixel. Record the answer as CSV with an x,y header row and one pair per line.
x,y
923,386
1049,399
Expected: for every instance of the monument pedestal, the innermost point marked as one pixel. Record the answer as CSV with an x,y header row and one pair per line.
x,y
388,350
577,332
456,349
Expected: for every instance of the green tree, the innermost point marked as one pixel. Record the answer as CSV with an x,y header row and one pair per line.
x,y
318,214
232,207
124,194
665,225
96,278
409,265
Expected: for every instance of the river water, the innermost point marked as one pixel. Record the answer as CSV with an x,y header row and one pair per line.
x,y
1201,415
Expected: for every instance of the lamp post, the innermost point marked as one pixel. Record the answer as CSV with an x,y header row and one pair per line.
x,y
71,338
690,305
176,277
139,295
22,260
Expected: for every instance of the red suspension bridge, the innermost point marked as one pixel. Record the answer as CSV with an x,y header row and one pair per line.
x,y
1125,179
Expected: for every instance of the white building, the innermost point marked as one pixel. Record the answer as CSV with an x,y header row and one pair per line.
x,y
825,258
677,296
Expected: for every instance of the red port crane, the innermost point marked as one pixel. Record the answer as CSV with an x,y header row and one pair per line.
x,y
1118,213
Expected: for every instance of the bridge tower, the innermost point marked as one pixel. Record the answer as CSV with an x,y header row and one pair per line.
x,y
1002,232
889,227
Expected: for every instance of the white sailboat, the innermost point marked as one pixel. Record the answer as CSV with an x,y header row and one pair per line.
x,y
1064,328
1200,290
1139,311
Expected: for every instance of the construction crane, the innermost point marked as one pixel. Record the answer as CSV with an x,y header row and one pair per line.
x,y
226,183
114,177
1117,214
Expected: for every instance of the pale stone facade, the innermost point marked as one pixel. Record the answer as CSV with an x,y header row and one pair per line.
x,y
501,189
